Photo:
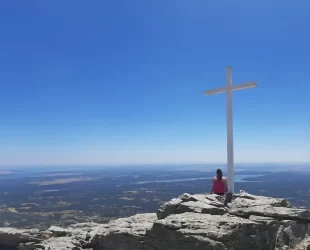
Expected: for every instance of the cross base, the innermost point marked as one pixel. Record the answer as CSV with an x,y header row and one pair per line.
x,y
228,198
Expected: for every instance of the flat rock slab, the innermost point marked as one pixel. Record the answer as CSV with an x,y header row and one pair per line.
x,y
61,243
260,200
198,203
58,231
200,207
269,211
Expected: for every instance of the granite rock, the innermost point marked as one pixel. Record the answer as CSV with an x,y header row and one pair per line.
x,y
195,222
125,233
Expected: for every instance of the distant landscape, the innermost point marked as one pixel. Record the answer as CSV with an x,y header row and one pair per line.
x,y
39,197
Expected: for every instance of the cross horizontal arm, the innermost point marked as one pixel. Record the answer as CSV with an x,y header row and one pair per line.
x,y
244,86
215,91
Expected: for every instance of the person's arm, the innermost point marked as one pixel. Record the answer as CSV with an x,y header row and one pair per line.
x,y
225,186
212,189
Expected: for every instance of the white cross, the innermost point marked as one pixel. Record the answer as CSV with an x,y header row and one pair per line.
x,y
229,88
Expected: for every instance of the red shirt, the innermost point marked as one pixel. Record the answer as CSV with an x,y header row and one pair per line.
x,y
219,186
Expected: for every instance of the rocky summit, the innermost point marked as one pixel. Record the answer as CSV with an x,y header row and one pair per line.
x,y
192,222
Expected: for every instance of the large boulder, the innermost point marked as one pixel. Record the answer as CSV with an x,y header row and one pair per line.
x,y
170,207
199,203
208,232
11,237
126,233
191,220
245,205
260,200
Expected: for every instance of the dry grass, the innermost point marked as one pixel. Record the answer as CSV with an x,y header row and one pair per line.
x,y
24,208
131,192
61,174
12,210
127,198
46,214
32,204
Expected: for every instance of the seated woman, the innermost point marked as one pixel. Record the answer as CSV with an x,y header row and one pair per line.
x,y
219,183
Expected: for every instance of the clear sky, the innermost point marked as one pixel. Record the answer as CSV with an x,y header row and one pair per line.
x,y
116,82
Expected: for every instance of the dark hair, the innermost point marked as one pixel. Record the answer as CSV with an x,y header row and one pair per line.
x,y
219,174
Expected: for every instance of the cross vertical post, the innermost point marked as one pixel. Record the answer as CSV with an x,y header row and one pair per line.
x,y
230,140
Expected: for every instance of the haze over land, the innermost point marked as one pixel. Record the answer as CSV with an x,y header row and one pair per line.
x,y
40,197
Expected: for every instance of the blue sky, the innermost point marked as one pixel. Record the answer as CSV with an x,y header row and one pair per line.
x,y
122,82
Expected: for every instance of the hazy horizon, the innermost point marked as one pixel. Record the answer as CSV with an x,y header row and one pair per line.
x,y
207,165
